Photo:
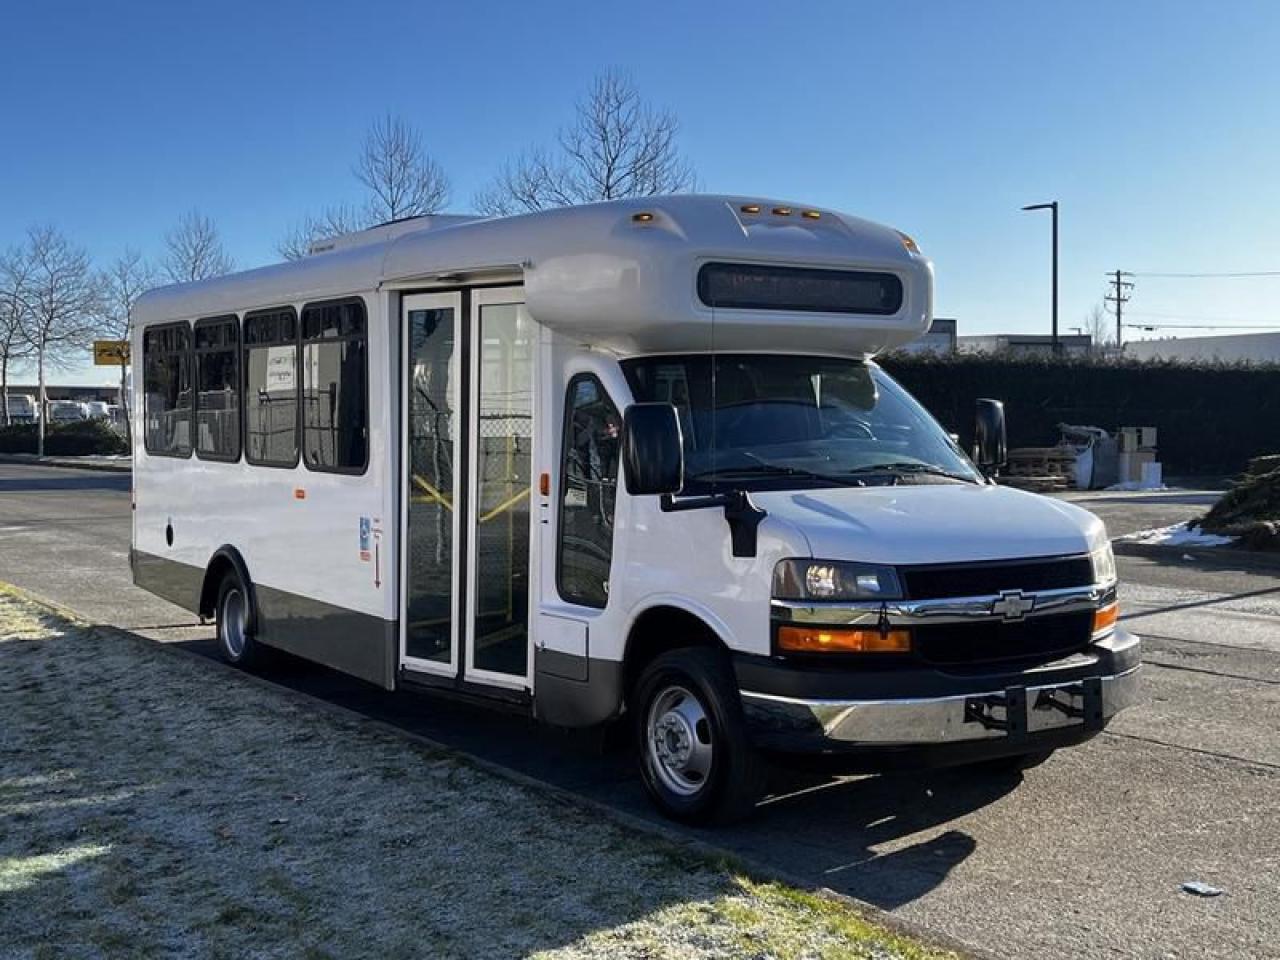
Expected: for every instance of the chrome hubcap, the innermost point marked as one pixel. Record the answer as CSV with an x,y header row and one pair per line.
x,y
678,741
233,621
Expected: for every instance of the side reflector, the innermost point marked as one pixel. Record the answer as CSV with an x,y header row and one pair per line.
x,y
842,640
544,484
299,493
1104,620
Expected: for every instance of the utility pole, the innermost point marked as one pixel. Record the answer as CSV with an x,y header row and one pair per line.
x,y
1119,296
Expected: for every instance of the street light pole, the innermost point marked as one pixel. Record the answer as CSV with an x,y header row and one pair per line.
x,y
1053,206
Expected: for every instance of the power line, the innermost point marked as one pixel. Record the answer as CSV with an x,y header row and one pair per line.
x,y
1205,276
1185,316
1202,326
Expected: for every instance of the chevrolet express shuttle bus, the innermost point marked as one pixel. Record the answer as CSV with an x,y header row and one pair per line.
x,y
632,461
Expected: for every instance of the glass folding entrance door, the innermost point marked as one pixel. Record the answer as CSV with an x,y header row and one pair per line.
x,y
469,367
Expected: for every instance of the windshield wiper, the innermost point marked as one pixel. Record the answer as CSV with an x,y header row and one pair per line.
x,y
909,467
764,469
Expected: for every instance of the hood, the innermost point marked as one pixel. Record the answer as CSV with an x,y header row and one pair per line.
x,y
933,523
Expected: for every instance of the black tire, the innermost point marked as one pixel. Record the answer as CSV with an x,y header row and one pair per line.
x,y
686,693
233,616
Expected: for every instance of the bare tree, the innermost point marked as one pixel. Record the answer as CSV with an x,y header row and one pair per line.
x,y
121,284
15,279
63,302
332,222
195,250
1098,326
403,179
618,146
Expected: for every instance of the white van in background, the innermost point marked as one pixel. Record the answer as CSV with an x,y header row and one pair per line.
x,y
22,408
67,411
632,460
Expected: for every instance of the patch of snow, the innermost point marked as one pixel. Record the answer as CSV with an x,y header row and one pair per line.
x,y
1131,486
1178,535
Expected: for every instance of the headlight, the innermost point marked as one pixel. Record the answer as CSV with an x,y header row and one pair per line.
x,y
1104,564
834,580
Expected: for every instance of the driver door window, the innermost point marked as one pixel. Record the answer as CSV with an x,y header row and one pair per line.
x,y
588,490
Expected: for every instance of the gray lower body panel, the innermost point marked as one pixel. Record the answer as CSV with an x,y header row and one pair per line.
x,y
571,691
179,583
356,643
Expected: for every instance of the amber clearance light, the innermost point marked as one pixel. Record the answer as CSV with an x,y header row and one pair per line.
x,y
795,639
1104,619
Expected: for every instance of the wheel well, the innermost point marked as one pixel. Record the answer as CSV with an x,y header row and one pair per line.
x,y
225,561
658,630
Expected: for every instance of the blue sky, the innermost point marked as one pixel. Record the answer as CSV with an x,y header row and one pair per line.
x,y
1155,124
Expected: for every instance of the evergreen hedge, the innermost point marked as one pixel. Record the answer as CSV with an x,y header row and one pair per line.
x,y
75,439
1211,417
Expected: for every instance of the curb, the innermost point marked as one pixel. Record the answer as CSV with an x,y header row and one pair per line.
x,y
1218,556
107,466
667,836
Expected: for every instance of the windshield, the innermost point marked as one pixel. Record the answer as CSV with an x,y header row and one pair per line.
x,y
782,422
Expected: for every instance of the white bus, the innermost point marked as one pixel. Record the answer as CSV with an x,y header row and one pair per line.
x,y
632,461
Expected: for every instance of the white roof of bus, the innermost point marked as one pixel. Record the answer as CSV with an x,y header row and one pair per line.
x,y
594,271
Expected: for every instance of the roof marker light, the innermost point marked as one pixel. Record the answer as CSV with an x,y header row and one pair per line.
x,y
750,208
908,243
782,211
642,217
811,215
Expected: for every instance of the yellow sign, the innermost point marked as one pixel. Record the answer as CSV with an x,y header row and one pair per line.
x,y
111,353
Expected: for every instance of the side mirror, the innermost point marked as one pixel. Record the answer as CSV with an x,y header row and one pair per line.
x,y
652,449
990,447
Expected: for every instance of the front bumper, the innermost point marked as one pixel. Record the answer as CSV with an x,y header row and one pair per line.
x,y
944,717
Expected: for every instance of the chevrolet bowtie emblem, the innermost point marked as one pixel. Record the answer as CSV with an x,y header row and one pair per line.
x,y
1013,605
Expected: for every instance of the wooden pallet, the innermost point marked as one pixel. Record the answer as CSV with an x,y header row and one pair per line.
x,y
1041,462
1048,483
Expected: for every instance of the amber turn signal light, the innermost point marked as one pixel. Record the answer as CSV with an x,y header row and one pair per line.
x,y
795,639
1104,619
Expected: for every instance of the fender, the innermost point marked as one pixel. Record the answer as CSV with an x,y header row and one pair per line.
x,y
231,556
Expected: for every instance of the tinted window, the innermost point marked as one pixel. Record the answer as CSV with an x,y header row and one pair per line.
x,y
218,389
335,412
754,287
588,488
166,361
271,388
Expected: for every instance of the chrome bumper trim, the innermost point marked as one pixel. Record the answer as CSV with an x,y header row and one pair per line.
x,y
914,613
919,722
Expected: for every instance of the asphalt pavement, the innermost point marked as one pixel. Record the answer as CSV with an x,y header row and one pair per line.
x,y
1083,856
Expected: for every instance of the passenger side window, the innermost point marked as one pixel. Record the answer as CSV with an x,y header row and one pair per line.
x,y
271,387
218,389
166,363
588,489
335,396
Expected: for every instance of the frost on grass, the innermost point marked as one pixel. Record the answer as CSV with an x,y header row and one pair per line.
x,y
152,805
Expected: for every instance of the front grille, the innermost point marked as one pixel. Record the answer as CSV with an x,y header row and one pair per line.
x,y
988,579
1036,640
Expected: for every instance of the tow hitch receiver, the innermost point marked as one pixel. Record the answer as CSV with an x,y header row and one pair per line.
x,y
1023,710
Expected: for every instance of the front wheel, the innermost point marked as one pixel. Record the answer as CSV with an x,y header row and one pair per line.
x,y
695,760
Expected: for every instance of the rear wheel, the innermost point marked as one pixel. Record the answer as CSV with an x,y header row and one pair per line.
x,y
236,642
695,760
